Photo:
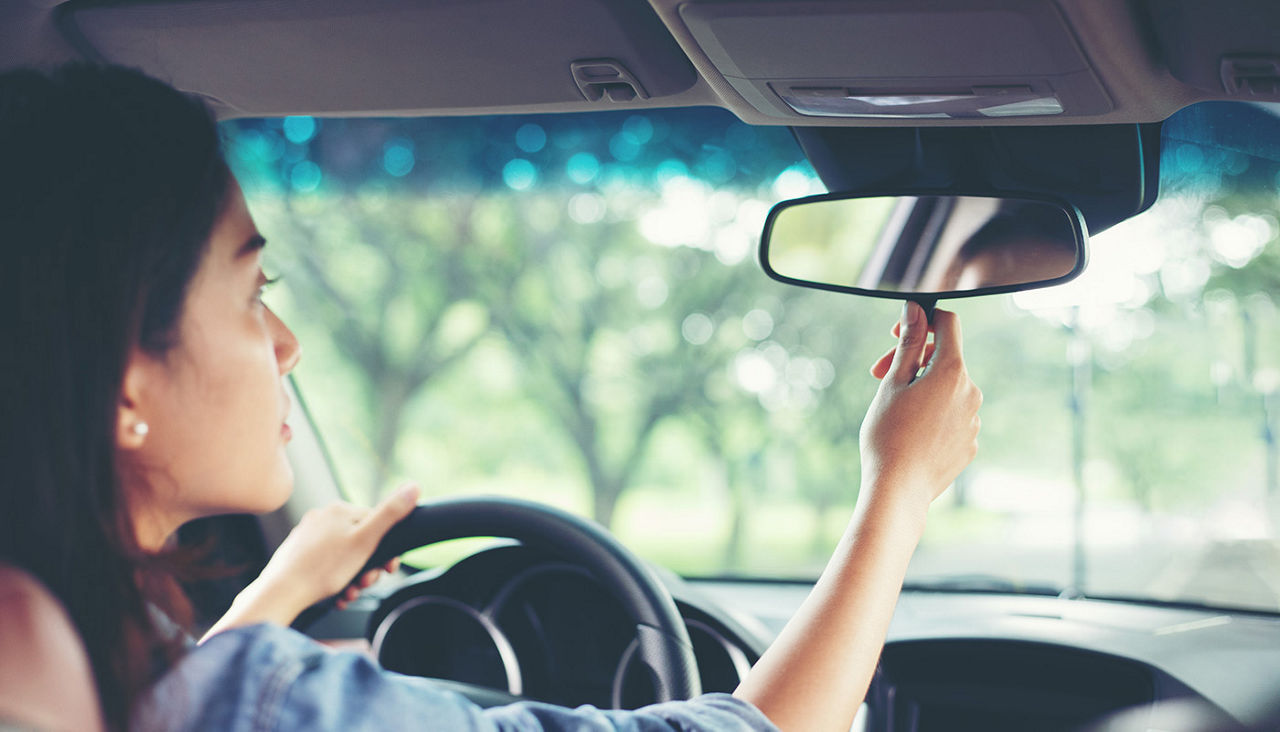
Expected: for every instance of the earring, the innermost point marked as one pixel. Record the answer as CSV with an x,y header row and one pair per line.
x,y
141,429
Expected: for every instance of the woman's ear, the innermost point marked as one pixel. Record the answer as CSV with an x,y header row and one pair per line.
x,y
131,421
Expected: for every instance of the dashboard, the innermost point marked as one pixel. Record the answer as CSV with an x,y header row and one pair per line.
x,y
992,661
514,619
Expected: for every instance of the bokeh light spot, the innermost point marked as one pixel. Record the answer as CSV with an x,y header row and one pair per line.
x,y
669,170
531,138
299,129
398,158
586,208
796,181
582,168
651,291
697,329
757,324
718,166
623,148
519,174
305,177
638,130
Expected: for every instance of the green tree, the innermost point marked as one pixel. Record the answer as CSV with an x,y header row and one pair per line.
x,y
598,331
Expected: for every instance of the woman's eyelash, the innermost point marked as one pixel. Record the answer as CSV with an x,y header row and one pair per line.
x,y
266,282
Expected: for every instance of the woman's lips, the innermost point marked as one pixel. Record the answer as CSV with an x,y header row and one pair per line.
x,y
286,432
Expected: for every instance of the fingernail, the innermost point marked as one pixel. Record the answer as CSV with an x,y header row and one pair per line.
x,y
910,315
407,495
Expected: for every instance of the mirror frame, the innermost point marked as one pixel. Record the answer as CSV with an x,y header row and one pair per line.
x,y
927,299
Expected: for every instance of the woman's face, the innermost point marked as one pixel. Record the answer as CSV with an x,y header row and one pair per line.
x,y
215,405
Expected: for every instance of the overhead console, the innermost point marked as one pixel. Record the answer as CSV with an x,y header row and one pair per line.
x,y
1231,49
858,59
820,63
265,57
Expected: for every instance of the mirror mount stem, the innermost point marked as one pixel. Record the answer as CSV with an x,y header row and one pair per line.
x,y
927,304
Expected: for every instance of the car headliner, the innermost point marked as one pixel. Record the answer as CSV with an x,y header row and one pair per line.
x,y
1138,62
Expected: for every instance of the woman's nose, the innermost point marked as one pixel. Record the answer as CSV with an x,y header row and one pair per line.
x,y
288,352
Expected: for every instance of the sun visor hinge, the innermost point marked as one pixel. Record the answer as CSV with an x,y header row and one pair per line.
x,y
606,79
1251,76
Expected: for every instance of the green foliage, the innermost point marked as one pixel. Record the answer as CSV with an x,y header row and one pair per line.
x,y
566,308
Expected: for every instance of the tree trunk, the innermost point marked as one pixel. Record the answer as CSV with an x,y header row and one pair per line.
x,y
604,500
605,488
737,519
391,399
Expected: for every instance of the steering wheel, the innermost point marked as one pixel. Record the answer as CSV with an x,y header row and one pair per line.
x,y
662,641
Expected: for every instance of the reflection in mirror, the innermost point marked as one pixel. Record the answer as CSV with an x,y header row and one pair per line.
x,y
923,244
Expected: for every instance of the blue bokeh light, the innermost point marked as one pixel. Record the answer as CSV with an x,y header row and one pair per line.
x,y
519,174
531,138
582,168
638,129
623,148
718,166
397,157
299,130
669,169
305,176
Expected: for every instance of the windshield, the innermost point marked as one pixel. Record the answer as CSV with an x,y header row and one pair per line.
x,y
567,308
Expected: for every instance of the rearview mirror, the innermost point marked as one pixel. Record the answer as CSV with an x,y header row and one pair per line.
x,y
923,247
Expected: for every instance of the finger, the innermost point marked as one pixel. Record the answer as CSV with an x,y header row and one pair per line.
x,y
929,348
946,338
881,367
369,578
393,566
340,604
896,330
392,508
911,342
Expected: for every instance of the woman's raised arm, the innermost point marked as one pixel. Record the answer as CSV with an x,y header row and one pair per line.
x,y
920,432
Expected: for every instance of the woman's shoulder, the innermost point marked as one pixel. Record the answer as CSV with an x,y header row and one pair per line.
x,y
45,677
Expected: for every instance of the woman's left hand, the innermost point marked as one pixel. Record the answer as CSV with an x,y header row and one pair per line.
x,y
318,559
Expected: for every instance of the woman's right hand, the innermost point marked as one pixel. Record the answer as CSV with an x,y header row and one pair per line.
x,y
319,558
921,429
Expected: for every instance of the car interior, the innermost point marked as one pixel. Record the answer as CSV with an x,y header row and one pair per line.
x,y
914,128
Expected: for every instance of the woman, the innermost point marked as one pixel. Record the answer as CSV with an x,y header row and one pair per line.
x,y
144,389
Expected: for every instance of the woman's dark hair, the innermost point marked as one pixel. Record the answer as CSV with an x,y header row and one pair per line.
x,y
110,185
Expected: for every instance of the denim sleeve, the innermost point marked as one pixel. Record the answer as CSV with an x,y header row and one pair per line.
x,y
265,677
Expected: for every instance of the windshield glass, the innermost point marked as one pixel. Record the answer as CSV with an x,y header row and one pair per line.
x,y
567,308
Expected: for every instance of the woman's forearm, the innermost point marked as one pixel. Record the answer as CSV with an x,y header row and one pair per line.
x,y
258,603
816,673
920,431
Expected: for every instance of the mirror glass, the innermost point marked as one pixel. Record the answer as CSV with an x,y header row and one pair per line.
x,y
929,245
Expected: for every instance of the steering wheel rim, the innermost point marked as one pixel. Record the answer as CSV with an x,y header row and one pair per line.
x,y
663,644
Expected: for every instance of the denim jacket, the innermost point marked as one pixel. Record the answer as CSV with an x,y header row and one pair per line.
x,y
265,677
